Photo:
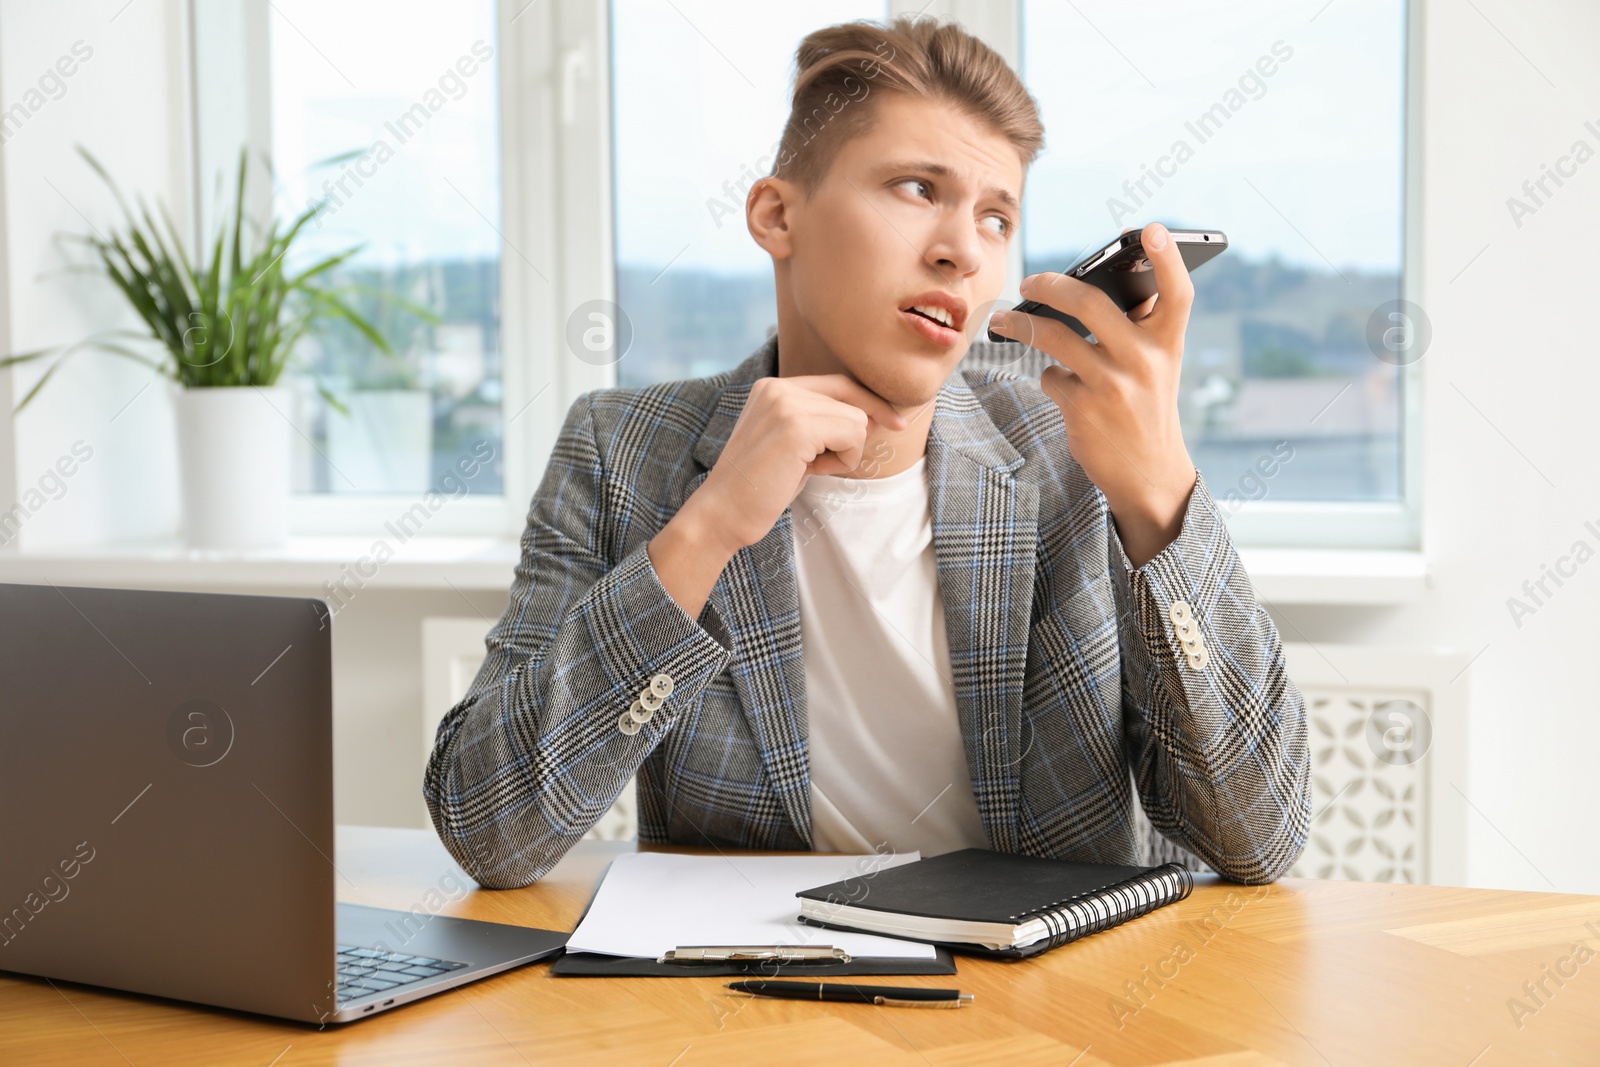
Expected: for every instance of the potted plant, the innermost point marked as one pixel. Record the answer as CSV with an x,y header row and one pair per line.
x,y
225,326
382,439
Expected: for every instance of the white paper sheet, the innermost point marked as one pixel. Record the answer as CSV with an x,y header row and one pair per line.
x,y
652,902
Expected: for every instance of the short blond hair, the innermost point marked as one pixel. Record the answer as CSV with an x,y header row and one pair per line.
x,y
837,67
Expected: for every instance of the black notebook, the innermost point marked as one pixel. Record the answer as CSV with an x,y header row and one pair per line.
x,y
994,903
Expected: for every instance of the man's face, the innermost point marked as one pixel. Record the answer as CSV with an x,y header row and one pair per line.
x,y
918,210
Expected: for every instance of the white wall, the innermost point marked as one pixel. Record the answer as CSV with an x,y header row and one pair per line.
x,y
127,105
1508,412
1508,409
377,696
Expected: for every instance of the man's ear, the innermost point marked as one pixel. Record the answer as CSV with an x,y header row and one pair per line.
x,y
766,213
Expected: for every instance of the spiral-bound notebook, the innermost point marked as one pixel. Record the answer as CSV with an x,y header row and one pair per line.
x,y
994,903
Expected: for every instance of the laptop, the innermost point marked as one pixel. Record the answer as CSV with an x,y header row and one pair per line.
x,y
166,778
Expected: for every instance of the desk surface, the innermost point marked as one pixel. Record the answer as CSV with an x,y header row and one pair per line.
x,y
1302,971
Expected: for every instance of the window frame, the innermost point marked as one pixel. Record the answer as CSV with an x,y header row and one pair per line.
x,y
1393,524
548,221
559,248
1338,525
1358,525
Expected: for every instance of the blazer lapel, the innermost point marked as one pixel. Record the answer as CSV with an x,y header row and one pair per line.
x,y
985,534
759,602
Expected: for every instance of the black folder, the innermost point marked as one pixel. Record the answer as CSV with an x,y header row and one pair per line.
x,y
599,965
930,899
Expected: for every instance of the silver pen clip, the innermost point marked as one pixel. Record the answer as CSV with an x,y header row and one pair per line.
x,y
780,953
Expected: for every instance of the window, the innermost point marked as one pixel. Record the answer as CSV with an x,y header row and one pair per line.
x,y
400,136
1294,117
1299,386
700,96
1282,125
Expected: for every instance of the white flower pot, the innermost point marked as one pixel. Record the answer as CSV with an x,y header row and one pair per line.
x,y
385,444
234,450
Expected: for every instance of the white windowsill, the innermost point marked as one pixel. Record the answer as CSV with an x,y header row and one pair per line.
x,y
302,567
1335,576
1279,575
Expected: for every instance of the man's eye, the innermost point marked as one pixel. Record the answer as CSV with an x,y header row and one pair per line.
x,y
1004,228
916,181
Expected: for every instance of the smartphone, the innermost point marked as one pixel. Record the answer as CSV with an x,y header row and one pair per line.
x,y
1123,272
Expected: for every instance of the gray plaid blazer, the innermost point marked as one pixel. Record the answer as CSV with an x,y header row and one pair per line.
x,y
1073,690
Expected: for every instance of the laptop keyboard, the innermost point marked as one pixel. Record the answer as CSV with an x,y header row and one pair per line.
x,y
364,972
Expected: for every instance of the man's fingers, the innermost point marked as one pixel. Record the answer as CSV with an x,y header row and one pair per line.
x,y
1084,302
829,463
1055,340
846,390
840,435
1070,393
1170,316
1059,383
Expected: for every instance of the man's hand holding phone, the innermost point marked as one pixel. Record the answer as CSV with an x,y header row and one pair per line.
x,y
1119,397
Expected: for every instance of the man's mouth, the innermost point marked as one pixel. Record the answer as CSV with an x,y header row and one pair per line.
x,y
936,316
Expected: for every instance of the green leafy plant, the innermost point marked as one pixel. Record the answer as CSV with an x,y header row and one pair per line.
x,y
232,318
383,296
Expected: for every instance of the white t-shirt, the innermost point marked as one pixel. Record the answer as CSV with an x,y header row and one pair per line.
x,y
887,765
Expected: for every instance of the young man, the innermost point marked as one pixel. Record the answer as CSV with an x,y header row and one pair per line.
x,y
845,597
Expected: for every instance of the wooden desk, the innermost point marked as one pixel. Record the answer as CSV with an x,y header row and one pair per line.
x,y
1330,973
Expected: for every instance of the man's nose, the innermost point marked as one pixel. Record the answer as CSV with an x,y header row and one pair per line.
x,y
954,250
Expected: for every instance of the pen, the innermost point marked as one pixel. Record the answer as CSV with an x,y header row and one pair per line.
x,y
891,995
